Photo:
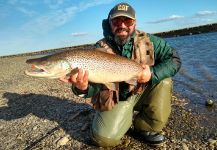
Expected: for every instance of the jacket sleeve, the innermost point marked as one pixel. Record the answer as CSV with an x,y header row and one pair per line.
x,y
91,91
167,60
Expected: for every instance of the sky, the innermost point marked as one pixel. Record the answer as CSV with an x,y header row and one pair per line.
x,y
35,25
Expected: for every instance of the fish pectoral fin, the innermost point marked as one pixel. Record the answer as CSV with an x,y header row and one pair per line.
x,y
73,72
112,86
132,82
101,49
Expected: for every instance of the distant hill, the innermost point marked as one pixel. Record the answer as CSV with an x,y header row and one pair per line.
x,y
189,31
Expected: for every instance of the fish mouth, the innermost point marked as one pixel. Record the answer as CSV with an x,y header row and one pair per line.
x,y
39,72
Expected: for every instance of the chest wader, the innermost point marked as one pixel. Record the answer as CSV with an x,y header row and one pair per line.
x,y
153,104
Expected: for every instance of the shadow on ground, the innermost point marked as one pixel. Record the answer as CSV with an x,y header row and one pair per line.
x,y
51,108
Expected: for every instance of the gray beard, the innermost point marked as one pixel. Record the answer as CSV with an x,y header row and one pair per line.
x,y
120,41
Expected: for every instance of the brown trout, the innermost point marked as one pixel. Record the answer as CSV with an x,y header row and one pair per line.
x,y
101,66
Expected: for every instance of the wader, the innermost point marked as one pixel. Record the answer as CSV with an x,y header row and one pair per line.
x,y
153,105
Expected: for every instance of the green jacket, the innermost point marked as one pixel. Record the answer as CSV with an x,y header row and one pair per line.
x,y
167,61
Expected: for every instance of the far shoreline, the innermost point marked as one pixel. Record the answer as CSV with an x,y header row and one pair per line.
x,y
167,34
189,31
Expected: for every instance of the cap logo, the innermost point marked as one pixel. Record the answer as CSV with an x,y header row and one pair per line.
x,y
123,7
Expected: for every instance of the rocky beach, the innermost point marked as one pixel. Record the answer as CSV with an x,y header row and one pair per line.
x,y
44,114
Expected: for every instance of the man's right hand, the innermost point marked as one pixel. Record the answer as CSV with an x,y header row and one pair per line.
x,y
79,80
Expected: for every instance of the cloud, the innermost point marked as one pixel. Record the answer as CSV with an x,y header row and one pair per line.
x,y
198,18
202,17
25,11
49,21
205,13
55,18
12,2
53,4
91,3
22,2
79,34
21,6
170,18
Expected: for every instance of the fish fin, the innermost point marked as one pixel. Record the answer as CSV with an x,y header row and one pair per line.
x,y
112,86
132,82
101,49
73,72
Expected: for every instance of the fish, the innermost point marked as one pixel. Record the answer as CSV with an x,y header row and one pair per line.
x,y
102,67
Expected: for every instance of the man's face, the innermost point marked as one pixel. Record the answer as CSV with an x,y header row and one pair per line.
x,y
122,28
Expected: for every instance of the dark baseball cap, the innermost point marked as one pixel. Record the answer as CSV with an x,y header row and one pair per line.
x,y
122,9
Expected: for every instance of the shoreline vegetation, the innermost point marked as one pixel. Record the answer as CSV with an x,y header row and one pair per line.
x,y
168,34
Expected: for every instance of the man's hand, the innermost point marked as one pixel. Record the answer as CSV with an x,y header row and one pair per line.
x,y
80,80
145,76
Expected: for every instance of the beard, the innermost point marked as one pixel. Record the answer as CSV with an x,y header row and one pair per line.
x,y
121,40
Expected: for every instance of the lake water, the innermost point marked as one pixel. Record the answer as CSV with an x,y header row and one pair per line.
x,y
197,79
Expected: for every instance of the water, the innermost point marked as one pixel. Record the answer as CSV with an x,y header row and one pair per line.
x,y
197,79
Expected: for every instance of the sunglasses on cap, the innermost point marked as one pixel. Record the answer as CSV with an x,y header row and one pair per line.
x,y
119,20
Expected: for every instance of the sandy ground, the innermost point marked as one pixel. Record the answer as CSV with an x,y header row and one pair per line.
x,y
44,114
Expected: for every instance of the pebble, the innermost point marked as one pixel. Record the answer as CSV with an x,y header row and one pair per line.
x,y
209,102
184,146
126,142
173,140
84,127
74,116
28,123
44,120
35,127
63,141
212,147
184,140
19,137
212,142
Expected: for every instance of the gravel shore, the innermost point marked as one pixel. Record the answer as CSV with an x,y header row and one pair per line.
x,y
44,114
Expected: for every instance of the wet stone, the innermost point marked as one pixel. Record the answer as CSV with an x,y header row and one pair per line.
x,y
212,142
63,141
184,146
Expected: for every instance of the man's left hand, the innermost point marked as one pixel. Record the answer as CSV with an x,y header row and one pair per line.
x,y
145,75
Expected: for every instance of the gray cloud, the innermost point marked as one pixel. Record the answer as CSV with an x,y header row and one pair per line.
x,y
170,18
205,13
78,34
199,17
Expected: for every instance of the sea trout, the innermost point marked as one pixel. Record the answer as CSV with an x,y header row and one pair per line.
x,y
102,67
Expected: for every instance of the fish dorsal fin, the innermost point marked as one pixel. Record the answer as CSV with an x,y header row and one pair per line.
x,y
73,72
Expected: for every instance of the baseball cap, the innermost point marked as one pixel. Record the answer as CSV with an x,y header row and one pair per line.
x,y
122,9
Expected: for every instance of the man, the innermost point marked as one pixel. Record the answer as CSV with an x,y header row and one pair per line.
x,y
151,97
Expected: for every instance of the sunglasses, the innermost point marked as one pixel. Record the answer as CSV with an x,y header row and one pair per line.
x,y
118,21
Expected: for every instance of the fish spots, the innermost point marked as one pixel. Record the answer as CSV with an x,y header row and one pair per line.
x,y
102,67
